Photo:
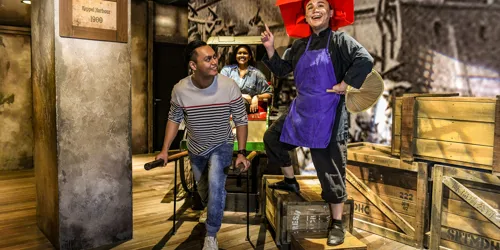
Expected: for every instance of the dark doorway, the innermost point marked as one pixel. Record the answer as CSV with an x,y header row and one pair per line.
x,y
168,69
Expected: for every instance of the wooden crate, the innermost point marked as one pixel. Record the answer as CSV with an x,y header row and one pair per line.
x,y
465,209
397,115
463,131
390,195
306,242
289,213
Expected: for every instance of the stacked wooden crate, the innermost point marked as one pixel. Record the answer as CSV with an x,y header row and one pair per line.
x,y
288,213
390,195
463,131
464,134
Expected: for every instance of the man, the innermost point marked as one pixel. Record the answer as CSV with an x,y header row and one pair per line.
x,y
206,100
324,62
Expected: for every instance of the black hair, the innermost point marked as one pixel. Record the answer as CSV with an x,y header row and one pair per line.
x,y
233,60
190,51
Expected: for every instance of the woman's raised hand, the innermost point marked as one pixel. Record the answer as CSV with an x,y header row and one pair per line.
x,y
267,39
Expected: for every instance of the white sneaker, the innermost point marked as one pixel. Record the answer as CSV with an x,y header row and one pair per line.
x,y
203,216
210,243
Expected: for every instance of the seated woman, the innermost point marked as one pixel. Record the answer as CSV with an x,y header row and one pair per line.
x,y
252,82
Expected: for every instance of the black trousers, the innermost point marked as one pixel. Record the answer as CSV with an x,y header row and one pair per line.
x,y
330,162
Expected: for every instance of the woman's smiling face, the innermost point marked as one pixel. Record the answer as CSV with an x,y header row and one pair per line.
x,y
242,56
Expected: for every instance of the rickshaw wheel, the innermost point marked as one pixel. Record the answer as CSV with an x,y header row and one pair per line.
x,y
186,174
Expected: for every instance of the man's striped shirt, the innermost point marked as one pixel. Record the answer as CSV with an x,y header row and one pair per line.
x,y
206,112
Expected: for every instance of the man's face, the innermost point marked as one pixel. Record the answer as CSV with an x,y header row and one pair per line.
x,y
318,14
206,61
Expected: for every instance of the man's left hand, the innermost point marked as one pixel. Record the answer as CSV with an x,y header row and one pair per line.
x,y
242,159
338,88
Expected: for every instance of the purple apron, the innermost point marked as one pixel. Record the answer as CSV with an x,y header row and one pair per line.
x,y
312,113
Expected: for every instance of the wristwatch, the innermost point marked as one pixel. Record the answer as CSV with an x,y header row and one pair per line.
x,y
243,152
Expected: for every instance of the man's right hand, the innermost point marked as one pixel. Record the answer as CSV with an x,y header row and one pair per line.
x,y
163,155
267,39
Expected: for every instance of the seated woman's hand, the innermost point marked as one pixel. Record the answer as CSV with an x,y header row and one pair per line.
x,y
247,97
254,105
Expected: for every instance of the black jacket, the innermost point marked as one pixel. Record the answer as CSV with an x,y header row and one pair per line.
x,y
351,62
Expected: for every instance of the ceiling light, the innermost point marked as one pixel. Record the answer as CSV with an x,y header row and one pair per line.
x,y
26,1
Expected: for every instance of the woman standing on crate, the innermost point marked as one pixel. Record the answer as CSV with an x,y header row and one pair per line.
x,y
324,63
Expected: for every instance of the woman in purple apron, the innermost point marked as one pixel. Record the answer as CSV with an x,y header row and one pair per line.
x,y
317,119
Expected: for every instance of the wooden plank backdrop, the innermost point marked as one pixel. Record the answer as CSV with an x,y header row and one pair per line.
x,y
465,209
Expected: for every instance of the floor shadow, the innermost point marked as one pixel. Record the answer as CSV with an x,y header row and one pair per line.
x,y
261,240
169,196
179,220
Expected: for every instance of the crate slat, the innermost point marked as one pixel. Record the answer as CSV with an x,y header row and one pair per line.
x,y
460,152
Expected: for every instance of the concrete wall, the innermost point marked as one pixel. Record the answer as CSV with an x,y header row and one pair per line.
x,y
16,133
93,83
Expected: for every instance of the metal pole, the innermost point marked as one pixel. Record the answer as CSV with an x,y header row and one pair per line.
x,y
248,205
175,194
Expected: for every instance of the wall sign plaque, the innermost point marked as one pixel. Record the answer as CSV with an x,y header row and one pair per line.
x,y
105,20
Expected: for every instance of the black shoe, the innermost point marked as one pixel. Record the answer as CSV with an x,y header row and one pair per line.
x,y
282,185
336,235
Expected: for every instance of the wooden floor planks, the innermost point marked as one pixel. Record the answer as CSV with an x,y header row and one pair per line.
x,y
152,211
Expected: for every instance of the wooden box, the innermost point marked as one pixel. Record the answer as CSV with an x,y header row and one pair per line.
x,y
463,131
397,115
465,209
288,213
306,242
390,195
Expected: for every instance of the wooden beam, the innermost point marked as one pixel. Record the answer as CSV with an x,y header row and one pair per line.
x,y
379,203
496,140
395,119
474,200
385,232
407,128
475,154
151,13
470,175
465,132
15,30
437,199
459,109
422,205
379,160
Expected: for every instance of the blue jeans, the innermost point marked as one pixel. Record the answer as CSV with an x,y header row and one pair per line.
x,y
211,181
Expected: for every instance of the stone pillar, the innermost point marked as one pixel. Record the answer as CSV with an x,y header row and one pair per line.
x,y
82,134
